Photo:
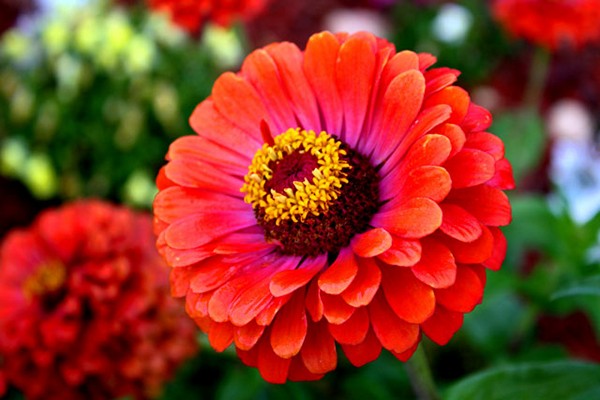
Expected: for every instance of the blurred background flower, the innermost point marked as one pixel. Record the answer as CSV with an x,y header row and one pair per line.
x,y
85,309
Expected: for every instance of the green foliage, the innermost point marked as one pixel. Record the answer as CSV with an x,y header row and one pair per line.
x,y
560,380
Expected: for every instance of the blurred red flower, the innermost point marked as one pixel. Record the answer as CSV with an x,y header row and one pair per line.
x,y
191,15
85,310
347,193
551,23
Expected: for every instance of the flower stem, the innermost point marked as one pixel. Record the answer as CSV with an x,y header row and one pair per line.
x,y
420,376
538,74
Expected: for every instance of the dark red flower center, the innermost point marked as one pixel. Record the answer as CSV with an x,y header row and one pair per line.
x,y
295,167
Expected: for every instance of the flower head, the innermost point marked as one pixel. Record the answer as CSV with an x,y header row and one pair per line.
x,y
85,310
190,15
343,194
551,23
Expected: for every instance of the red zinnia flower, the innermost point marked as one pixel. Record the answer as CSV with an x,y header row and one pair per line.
x,y
85,310
551,23
343,194
192,14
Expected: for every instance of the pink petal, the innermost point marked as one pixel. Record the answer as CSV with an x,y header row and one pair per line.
x,y
197,174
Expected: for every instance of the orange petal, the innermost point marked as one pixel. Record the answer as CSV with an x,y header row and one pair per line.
x,y
262,72
411,300
487,142
355,70
465,294
285,282
289,328
436,267
470,168
354,330
366,351
339,275
371,243
430,149
365,284
245,337
199,174
503,178
201,149
288,58
239,103
319,66
474,252
439,78
272,368
497,258
211,274
477,119
179,279
403,253
455,134
393,333
220,335
426,60
407,354
412,219
200,229
489,205
456,97
266,316
314,304
335,309
459,224
401,105
442,325
318,353
299,372
211,124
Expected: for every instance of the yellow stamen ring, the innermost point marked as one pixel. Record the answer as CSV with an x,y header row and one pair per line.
x,y
312,196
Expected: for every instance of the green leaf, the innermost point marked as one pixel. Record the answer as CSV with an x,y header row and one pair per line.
x,y
588,286
559,380
523,134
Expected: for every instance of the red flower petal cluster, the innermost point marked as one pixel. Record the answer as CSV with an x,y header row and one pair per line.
x,y
379,229
191,15
85,308
551,23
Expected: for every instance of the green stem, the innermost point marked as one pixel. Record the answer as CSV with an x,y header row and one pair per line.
x,y
538,73
420,376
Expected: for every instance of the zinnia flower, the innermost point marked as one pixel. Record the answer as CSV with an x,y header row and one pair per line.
x,y
551,23
345,194
191,15
85,309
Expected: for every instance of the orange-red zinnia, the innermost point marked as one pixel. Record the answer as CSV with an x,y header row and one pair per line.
x,y
553,24
346,194
85,310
